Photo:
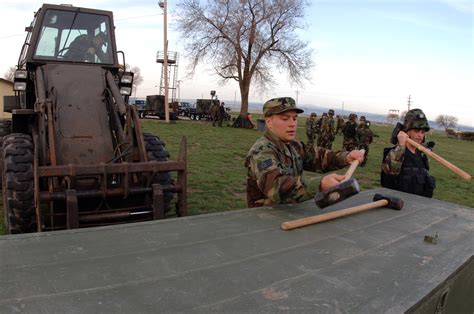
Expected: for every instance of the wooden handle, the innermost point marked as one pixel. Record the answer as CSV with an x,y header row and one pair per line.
x,y
352,168
288,225
466,176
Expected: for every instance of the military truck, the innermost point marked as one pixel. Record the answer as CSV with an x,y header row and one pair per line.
x,y
155,106
140,105
76,155
204,109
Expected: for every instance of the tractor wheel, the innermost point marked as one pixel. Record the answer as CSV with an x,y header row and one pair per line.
x,y
18,184
5,129
155,149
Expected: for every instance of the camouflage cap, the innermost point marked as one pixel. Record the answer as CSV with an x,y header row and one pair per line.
x,y
331,112
280,105
416,119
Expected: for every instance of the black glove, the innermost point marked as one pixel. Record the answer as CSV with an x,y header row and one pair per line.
x,y
430,145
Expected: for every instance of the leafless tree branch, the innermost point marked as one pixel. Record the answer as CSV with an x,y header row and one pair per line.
x,y
245,40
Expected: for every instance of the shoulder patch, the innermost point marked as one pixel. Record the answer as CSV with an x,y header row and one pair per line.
x,y
264,164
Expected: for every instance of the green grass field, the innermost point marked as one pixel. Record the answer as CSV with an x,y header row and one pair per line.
x,y
216,173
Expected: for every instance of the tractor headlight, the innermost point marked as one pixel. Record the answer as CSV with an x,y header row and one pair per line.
x,y
126,91
126,79
19,86
20,74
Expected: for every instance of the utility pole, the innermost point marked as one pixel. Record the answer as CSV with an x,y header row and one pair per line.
x,y
297,92
162,5
409,102
179,90
343,108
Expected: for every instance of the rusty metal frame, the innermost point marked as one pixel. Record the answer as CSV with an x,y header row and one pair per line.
x,y
182,209
71,196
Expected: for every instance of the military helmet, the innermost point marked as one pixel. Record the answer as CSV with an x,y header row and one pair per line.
x,y
416,119
313,114
352,116
280,105
331,112
362,118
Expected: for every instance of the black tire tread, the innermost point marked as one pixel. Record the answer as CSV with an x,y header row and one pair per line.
x,y
155,149
18,189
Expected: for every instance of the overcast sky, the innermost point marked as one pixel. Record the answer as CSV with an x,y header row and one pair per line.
x,y
369,55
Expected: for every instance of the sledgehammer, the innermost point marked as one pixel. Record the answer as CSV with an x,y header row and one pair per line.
x,y
466,176
340,192
379,200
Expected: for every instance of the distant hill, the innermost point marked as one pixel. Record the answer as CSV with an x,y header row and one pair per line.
x,y
374,117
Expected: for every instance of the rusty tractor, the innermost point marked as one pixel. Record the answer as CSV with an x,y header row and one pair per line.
x,y
76,155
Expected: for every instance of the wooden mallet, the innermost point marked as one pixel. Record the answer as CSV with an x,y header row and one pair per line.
x,y
466,176
379,200
347,188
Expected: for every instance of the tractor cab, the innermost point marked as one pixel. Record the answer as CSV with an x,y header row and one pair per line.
x,y
73,35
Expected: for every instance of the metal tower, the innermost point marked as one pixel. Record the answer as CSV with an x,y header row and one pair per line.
x,y
172,73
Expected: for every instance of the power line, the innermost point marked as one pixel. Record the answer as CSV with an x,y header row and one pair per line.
x,y
122,19
137,17
8,36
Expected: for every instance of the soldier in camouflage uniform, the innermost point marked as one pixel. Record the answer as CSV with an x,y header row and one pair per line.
x,y
319,122
364,136
276,161
404,167
311,128
349,131
215,113
327,130
340,124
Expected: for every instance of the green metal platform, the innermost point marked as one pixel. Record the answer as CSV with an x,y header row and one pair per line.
x,y
241,261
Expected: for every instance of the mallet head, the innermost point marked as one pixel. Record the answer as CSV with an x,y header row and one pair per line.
x,y
337,193
393,202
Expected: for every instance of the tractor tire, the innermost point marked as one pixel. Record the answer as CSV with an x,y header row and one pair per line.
x,y
5,129
155,149
18,184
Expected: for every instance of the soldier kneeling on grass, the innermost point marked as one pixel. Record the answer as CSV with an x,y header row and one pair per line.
x,y
276,161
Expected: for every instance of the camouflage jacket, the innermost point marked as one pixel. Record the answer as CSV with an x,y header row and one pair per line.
x,y
275,170
79,50
393,161
340,123
349,129
364,134
327,126
319,122
311,127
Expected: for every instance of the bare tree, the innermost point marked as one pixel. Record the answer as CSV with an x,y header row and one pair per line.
x,y
9,74
244,39
446,121
137,76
